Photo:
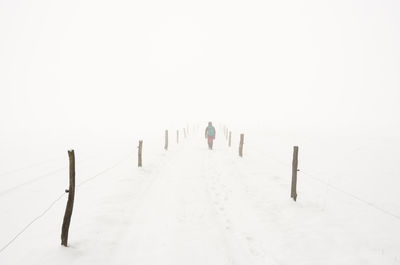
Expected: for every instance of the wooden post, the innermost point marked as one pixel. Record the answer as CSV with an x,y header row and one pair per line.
x,y
241,145
70,203
177,136
166,140
293,192
140,153
184,132
230,139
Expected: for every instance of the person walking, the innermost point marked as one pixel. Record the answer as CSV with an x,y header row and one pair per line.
x,y
210,135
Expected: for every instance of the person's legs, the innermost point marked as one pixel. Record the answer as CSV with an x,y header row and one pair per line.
x,y
210,142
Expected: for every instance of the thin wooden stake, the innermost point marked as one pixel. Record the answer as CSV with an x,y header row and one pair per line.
x,y
230,139
166,140
177,136
70,203
140,153
293,193
241,145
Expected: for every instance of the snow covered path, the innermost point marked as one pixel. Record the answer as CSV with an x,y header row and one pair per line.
x,y
191,215
190,205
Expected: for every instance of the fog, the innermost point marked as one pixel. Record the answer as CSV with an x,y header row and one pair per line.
x,y
96,76
117,67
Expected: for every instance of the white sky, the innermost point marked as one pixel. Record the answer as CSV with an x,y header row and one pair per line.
x,y
99,65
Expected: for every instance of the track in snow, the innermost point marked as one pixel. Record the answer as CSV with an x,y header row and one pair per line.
x,y
194,213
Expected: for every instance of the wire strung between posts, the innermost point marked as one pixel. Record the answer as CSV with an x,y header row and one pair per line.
x,y
13,171
16,187
354,196
32,180
59,198
31,223
333,187
104,171
27,167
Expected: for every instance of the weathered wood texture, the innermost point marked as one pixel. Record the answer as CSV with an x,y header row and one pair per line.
x,y
293,193
241,145
70,204
166,140
140,153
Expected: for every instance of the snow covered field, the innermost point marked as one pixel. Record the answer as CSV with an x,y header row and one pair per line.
x,y
97,76
189,205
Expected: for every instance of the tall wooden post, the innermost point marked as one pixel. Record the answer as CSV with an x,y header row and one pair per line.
x,y
177,136
241,145
140,153
230,139
70,202
166,140
293,192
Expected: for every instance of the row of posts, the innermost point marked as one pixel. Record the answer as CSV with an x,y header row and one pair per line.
x,y
140,147
71,189
185,133
293,190
228,135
